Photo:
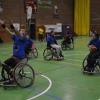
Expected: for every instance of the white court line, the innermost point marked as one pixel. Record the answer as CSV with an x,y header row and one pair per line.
x,y
75,60
5,48
5,52
43,91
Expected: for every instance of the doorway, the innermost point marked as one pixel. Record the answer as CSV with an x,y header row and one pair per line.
x,y
32,31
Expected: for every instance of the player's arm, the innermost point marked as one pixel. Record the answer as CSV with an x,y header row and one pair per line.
x,y
5,28
90,44
17,33
15,30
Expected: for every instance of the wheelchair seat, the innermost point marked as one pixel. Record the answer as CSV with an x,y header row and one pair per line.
x,y
48,54
94,70
23,75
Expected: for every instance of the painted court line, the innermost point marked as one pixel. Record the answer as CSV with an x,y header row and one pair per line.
x,y
49,95
43,91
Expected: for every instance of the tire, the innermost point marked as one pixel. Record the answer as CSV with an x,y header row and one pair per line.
x,y
71,45
63,47
24,75
47,54
35,53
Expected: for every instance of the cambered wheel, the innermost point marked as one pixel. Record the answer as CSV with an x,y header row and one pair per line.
x,y
47,54
24,75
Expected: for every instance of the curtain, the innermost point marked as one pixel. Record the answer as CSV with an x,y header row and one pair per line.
x,y
81,17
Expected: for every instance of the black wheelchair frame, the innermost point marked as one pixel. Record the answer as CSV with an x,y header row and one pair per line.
x,y
23,76
94,70
67,46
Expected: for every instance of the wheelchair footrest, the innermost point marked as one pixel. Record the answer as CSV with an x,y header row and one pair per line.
x,y
62,58
90,72
7,83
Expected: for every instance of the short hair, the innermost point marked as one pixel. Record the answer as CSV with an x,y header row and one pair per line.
x,y
97,35
51,31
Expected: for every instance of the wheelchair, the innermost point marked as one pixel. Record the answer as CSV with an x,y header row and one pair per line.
x,y
67,45
33,53
94,70
48,54
23,76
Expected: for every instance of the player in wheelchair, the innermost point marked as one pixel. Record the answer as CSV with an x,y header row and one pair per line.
x,y
11,66
30,49
68,42
53,48
91,63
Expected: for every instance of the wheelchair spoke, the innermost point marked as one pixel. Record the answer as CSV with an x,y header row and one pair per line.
x,y
35,53
47,54
24,75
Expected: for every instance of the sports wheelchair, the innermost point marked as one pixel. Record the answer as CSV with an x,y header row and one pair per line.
x,y
33,53
94,70
23,76
48,54
67,45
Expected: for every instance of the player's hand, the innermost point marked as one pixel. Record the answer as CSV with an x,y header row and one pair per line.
x,y
2,22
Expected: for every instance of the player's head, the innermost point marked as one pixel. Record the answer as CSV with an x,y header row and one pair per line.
x,y
52,33
22,31
95,36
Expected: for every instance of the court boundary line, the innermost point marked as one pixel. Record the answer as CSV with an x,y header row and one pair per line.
x,y
43,91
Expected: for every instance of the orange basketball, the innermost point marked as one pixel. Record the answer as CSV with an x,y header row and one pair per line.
x,y
93,48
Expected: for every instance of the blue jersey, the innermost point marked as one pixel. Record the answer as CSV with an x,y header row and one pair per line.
x,y
50,39
30,42
19,46
95,42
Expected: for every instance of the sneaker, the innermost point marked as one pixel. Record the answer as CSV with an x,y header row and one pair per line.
x,y
59,58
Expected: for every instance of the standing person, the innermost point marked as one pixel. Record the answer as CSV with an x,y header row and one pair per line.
x,y
52,43
93,55
40,30
20,40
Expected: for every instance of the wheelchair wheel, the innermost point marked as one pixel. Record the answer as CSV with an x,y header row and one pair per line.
x,y
47,54
71,45
24,75
63,47
33,53
84,64
96,69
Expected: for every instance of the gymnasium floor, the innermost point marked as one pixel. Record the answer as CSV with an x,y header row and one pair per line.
x,y
60,80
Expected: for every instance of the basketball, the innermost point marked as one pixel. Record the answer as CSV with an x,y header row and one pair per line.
x,y
93,48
